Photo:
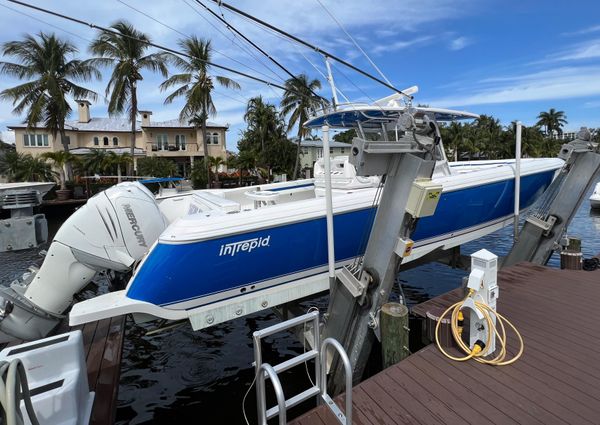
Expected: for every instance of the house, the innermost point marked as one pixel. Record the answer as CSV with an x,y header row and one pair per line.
x,y
173,139
312,150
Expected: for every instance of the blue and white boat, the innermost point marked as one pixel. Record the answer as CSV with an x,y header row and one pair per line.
x,y
223,244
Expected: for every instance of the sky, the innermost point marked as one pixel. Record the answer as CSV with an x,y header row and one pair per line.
x,y
510,59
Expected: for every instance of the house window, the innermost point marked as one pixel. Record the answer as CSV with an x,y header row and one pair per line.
x,y
215,138
35,140
330,150
162,141
342,151
105,141
115,141
96,141
180,142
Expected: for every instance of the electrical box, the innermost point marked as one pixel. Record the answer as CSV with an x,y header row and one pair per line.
x,y
423,198
404,247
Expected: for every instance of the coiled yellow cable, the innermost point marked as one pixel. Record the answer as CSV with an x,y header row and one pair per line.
x,y
477,352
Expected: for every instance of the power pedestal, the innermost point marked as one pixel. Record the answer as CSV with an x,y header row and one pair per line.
x,y
484,281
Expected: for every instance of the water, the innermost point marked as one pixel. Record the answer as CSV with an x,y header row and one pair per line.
x,y
180,376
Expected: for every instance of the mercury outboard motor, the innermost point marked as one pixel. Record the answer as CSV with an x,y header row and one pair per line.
x,y
112,231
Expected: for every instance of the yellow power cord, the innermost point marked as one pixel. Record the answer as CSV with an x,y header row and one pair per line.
x,y
480,350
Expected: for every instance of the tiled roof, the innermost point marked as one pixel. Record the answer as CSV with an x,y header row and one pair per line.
x,y
179,124
119,125
95,124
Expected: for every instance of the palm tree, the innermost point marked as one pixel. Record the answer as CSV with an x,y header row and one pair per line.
x,y
10,164
195,84
46,63
261,117
552,120
95,162
126,53
34,169
60,159
215,161
297,100
115,160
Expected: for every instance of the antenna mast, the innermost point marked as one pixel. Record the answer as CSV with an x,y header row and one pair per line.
x,y
331,83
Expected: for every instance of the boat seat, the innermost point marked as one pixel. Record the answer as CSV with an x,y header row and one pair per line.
x,y
215,202
262,197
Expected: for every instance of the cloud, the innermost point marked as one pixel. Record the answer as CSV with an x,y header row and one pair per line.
x,y
588,30
401,44
561,83
368,22
459,43
587,50
592,104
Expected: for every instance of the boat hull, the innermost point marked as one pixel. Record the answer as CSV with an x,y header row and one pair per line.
x,y
188,275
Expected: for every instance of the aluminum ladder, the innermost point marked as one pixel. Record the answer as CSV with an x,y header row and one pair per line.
x,y
318,353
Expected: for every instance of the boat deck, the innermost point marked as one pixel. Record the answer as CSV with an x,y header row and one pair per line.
x,y
556,381
103,343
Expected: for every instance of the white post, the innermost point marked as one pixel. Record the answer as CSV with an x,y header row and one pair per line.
x,y
517,180
331,83
328,206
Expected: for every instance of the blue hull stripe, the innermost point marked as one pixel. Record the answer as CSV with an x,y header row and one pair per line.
x,y
279,189
176,273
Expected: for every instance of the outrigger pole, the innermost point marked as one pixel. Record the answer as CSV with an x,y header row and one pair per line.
x,y
310,46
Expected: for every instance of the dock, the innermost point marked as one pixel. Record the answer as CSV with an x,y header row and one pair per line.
x,y
103,346
556,381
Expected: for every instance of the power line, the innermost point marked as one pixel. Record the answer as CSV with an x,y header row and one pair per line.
x,y
158,46
267,55
354,41
234,41
47,23
310,46
187,37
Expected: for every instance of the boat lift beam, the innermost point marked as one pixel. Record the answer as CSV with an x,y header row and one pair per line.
x,y
549,218
359,292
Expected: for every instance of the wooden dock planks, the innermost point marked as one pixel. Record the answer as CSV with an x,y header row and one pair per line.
x,y
556,381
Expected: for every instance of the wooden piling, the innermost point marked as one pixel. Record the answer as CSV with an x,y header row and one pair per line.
x,y
394,333
571,257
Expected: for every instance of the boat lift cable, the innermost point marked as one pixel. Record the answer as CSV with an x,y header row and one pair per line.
x,y
253,44
480,350
158,46
310,46
360,49
187,37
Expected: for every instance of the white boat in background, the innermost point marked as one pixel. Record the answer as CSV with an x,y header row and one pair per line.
x,y
41,187
595,198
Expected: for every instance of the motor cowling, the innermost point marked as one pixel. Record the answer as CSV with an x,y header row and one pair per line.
x,y
112,231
